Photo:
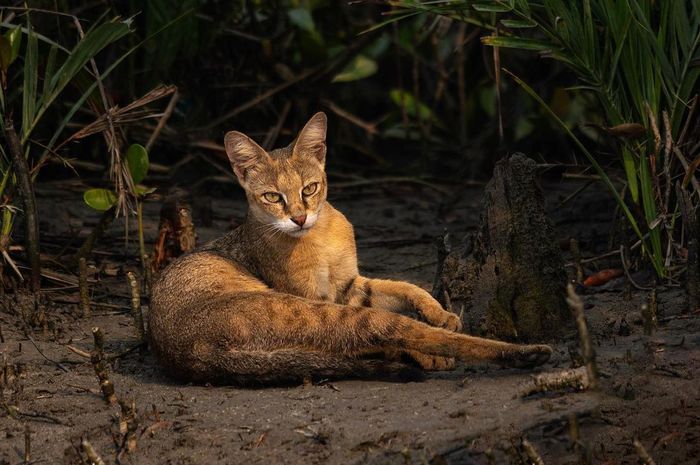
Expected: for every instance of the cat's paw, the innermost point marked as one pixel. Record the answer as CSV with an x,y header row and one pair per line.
x,y
432,362
529,356
444,319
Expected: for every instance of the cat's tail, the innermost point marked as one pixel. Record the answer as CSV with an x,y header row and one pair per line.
x,y
291,366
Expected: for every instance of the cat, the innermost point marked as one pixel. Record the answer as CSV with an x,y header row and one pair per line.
x,y
280,299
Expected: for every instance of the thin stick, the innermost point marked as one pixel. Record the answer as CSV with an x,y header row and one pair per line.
x,y
576,378
627,271
587,351
43,355
532,453
99,364
443,246
642,452
576,253
31,219
82,284
91,453
274,133
369,128
136,312
260,98
27,444
163,120
649,313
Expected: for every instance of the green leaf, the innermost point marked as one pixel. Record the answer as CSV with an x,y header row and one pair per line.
x,y
413,108
31,77
15,38
359,68
5,53
93,42
517,42
491,7
142,190
655,260
137,161
100,199
518,23
301,18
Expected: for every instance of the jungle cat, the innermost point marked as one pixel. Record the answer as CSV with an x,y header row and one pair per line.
x,y
280,298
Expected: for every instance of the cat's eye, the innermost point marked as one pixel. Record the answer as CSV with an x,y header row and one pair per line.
x,y
310,189
272,197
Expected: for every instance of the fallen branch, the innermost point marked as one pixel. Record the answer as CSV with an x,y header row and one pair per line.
x,y
575,378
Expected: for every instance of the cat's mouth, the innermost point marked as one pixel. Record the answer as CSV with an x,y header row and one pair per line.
x,y
292,229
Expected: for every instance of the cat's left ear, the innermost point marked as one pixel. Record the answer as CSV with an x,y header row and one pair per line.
x,y
311,140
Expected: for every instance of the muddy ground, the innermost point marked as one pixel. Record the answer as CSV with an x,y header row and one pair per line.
x,y
471,415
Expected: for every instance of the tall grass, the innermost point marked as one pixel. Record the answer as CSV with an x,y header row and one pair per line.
x,y
638,57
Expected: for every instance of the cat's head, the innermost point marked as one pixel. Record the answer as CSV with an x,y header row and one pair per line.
x,y
286,188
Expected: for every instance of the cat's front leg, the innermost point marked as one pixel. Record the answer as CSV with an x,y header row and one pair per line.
x,y
400,297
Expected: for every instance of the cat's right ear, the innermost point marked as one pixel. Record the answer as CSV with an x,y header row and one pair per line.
x,y
244,154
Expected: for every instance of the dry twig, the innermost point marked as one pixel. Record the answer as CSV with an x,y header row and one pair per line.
x,y
576,378
136,311
82,283
642,452
91,453
532,453
101,368
587,351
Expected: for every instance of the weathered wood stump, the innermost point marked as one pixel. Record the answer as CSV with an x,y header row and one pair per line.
x,y
509,277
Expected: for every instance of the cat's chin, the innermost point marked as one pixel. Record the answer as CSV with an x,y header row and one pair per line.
x,y
298,233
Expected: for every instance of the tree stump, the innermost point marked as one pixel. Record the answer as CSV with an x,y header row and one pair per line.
x,y
509,277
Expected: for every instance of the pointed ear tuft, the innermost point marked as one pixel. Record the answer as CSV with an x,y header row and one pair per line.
x,y
311,140
243,153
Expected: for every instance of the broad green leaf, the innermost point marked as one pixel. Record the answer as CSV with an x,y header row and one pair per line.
x,y
359,68
301,18
5,53
15,38
100,199
137,161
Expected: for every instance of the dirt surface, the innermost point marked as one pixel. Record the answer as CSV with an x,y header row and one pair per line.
x,y
471,415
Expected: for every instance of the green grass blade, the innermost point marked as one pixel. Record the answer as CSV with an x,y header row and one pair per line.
x,y
86,94
87,48
31,76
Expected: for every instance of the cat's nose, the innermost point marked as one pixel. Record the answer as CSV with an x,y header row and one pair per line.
x,y
299,220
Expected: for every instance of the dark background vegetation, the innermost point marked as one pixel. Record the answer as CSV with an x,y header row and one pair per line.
x,y
224,54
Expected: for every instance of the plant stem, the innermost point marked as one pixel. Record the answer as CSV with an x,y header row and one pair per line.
x,y
139,221
95,235
27,194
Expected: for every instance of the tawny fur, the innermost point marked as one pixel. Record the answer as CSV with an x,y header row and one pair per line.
x,y
274,301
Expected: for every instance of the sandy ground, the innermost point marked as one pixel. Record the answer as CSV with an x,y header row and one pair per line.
x,y
471,415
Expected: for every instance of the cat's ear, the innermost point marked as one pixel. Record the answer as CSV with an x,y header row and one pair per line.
x,y
311,140
243,153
